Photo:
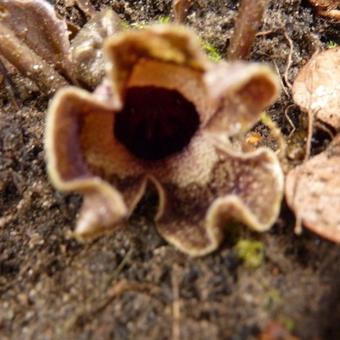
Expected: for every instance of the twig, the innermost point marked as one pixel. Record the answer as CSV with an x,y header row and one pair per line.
x,y
84,5
247,24
280,78
289,59
180,9
310,116
115,291
263,33
323,127
289,120
9,85
176,305
276,133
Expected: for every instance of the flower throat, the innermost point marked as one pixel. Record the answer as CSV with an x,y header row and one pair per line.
x,y
155,122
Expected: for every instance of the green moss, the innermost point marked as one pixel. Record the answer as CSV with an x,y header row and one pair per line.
x,y
211,51
163,20
142,24
332,44
273,299
251,252
139,25
287,323
125,24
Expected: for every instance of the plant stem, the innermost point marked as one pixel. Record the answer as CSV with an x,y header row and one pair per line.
x,y
247,24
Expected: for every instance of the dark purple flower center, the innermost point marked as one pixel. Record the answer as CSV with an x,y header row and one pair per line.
x,y
155,122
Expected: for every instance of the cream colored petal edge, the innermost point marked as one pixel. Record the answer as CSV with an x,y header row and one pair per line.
x,y
82,181
240,92
220,212
167,43
246,216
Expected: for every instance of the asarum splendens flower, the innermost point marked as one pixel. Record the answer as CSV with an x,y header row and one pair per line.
x,y
162,117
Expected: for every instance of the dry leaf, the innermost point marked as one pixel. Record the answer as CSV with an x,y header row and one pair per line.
x,y
317,87
313,192
327,8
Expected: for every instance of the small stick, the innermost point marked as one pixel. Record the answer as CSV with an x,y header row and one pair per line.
x,y
247,24
289,59
289,120
28,62
280,78
84,5
9,85
323,127
176,305
180,9
275,133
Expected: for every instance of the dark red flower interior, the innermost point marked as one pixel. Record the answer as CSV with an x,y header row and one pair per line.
x,y
155,122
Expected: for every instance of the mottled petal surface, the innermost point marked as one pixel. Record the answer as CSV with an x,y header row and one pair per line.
x,y
240,92
195,210
76,146
173,44
146,123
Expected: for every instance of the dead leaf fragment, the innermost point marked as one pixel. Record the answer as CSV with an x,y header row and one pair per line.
x,y
327,8
313,192
317,87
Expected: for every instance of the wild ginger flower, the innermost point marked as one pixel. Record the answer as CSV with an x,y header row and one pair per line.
x,y
162,117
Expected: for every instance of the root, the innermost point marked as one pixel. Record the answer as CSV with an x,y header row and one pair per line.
x,y
289,120
276,133
289,59
176,305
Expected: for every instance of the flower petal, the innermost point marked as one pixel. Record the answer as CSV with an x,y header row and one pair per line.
x,y
169,43
194,211
79,145
240,92
313,192
185,80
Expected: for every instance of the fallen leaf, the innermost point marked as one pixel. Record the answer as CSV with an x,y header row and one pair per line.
x,y
327,8
317,87
313,192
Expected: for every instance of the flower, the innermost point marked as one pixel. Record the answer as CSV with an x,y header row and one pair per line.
x,y
162,117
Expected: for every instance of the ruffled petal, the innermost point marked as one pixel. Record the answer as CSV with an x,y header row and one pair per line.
x,y
195,210
239,92
79,146
167,43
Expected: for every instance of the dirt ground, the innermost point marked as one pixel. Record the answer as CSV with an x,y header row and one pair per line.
x,y
132,285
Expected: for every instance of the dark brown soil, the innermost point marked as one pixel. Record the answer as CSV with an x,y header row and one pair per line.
x,y
132,285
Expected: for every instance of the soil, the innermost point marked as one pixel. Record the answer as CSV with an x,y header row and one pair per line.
x,y
133,285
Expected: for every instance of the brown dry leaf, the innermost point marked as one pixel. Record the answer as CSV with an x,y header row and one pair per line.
x,y
313,192
317,87
327,8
